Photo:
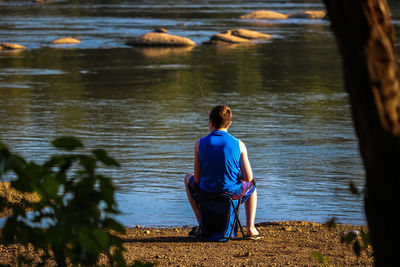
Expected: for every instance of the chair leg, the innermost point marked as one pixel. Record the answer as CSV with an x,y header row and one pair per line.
x,y
237,215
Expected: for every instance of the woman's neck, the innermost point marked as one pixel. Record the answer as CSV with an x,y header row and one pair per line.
x,y
219,129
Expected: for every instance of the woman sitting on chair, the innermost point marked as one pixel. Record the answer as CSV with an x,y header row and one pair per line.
x,y
221,165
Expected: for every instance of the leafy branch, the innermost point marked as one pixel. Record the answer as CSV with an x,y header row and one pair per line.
x,y
72,222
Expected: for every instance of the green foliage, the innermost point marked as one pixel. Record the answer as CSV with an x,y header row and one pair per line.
x,y
353,189
331,223
72,221
359,240
323,260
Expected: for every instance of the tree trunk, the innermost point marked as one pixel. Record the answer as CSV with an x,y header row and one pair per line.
x,y
365,37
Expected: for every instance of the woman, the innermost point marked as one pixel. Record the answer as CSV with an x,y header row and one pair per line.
x,y
221,165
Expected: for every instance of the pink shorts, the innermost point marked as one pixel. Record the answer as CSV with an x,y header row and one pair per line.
x,y
244,192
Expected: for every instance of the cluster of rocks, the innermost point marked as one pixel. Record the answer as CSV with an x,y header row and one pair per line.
x,y
161,38
236,36
64,40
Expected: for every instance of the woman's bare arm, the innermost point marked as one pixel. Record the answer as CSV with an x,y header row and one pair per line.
x,y
247,172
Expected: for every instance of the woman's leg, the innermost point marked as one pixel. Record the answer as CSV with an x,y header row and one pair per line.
x,y
250,206
192,202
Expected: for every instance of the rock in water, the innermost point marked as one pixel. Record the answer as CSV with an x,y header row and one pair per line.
x,y
308,15
264,14
8,46
248,34
237,36
160,39
66,40
160,30
227,38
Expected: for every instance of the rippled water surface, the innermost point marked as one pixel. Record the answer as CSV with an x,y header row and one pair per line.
x,y
144,105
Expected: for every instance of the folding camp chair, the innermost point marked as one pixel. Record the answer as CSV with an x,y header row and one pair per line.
x,y
219,216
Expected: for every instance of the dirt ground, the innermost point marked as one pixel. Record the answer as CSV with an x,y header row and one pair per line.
x,y
283,244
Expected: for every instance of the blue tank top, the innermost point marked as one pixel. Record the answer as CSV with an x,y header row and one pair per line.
x,y
219,154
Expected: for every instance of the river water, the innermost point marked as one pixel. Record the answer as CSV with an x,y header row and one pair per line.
x,y
144,105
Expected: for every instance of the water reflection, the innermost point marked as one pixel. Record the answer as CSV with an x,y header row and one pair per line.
x,y
155,52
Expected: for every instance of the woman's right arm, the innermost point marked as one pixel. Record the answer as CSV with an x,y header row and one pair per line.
x,y
247,172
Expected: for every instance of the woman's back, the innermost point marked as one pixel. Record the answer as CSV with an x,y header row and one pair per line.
x,y
219,154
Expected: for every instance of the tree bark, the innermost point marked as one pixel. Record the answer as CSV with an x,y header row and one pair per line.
x,y
365,37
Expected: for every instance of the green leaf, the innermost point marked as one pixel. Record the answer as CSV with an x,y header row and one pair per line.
x,y
320,258
74,202
68,143
87,242
66,162
18,165
102,155
88,163
357,248
50,185
366,239
53,161
118,257
5,159
3,165
3,146
112,224
103,238
349,237
107,189
9,230
353,189
317,256
24,183
331,223
18,210
25,260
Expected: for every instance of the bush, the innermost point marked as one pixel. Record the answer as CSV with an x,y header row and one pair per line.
x,y
72,222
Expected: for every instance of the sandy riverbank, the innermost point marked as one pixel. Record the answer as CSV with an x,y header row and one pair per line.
x,y
283,244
